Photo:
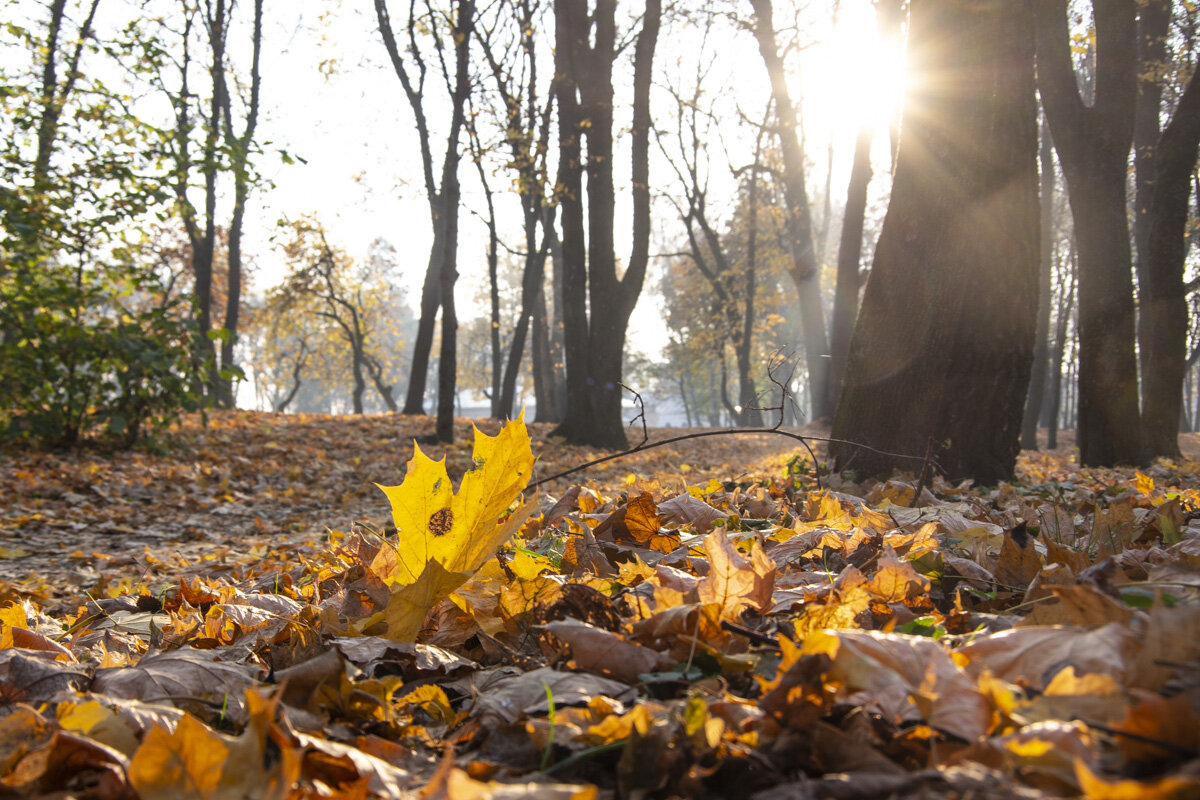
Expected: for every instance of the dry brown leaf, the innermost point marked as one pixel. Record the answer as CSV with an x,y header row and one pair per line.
x,y
597,650
733,581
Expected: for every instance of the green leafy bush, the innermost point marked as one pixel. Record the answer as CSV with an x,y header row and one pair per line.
x,y
90,355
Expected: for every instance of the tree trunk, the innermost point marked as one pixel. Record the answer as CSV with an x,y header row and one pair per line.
x,y
447,359
1060,349
431,300
375,370
1162,334
1093,147
360,382
943,345
849,263
443,203
448,355
595,344
549,379
297,369
239,149
805,269
531,295
204,256
1041,344
539,354
498,409
1154,19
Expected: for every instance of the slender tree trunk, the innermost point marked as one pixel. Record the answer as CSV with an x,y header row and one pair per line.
x,y
548,348
539,353
375,370
805,269
1041,344
849,263
360,382
431,300
448,356
748,391
297,369
447,360
239,148
498,409
443,201
1093,147
1060,348
531,294
946,330
204,256
683,396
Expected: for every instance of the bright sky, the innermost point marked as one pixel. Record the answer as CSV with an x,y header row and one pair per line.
x,y
333,100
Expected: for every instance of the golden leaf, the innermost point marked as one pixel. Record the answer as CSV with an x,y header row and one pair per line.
x,y
184,764
444,537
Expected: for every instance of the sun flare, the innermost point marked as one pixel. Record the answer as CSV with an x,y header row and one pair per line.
x,y
857,74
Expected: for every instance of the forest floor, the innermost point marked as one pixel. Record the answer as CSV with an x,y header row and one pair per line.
x,y
218,617
246,483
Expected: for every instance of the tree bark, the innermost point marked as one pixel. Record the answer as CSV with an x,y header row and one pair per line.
x,y
443,199
239,149
1163,319
944,340
1041,342
849,269
595,342
1154,19
1093,147
805,270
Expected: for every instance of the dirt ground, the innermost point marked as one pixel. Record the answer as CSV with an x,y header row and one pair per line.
x,y
209,497
247,483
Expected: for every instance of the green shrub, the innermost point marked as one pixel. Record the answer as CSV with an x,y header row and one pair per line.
x,y
90,355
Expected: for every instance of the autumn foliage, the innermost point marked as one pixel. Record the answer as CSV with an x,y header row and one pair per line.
x,y
683,629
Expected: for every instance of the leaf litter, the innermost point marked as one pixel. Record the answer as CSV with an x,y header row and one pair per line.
x,y
239,616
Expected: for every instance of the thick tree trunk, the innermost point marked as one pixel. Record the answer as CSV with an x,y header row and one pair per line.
x,y
1041,345
1163,328
944,340
595,343
1093,147
849,263
571,48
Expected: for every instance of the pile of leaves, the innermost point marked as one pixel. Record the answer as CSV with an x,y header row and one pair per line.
x,y
787,635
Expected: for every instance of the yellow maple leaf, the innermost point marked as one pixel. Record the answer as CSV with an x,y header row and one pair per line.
x,y
444,537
